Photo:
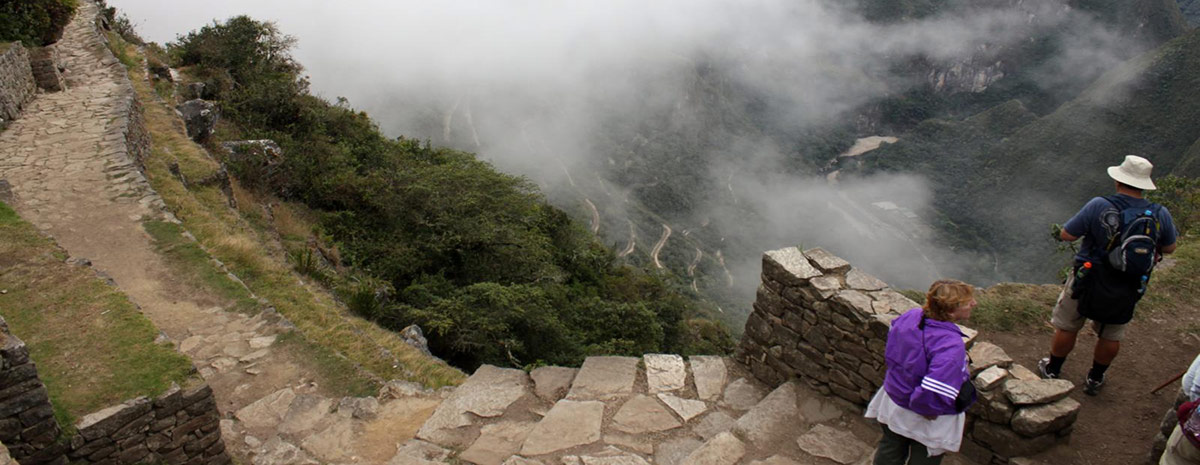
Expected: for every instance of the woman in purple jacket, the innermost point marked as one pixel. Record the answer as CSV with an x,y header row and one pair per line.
x,y
927,387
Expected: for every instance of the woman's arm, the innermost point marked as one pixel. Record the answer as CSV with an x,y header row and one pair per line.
x,y
939,388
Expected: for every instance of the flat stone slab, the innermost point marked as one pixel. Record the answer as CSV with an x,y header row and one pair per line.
x,y
772,417
837,445
889,301
687,409
334,444
518,460
857,280
568,424
639,444
1038,391
268,411
305,414
608,456
713,424
552,383
643,414
709,374
789,266
990,378
723,449
819,409
776,460
1018,371
487,393
985,355
825,261
604,378
742,394
497,442
672,452
417,452
664,373
1042,419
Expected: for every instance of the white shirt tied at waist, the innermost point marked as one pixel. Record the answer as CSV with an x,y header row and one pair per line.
x,y
943,433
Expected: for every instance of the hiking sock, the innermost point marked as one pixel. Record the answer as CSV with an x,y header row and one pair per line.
x,y
1055,365
1097,373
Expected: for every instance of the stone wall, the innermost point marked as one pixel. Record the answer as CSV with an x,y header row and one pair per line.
x,y
27,424
178,427
17,87
819,319
44,62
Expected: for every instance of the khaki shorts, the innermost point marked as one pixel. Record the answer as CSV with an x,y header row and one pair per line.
x,y
1067,318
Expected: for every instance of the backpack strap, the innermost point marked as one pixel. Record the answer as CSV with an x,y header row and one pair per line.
x,y
1120,205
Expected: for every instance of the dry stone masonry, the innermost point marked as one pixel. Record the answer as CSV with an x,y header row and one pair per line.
x,y
819,319
17,86
181,426
27,423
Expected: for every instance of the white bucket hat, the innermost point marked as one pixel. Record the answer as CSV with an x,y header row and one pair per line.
x,y
1134,171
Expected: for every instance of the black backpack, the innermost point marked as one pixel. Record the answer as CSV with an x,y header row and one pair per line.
x,y
1132,250
1109,290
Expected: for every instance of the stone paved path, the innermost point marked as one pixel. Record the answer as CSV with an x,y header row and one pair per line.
x,y
657,409
72,176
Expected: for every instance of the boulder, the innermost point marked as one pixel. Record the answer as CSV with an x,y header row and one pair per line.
x,y
1038,391
413,336
199,117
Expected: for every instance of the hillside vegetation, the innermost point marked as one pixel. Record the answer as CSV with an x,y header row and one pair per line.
x,y
407,233
34,22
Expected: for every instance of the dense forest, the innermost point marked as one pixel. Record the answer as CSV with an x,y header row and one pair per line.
x,y
434,236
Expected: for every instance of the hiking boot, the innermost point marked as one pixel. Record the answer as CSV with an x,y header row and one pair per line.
x,y
1043,364
1091,386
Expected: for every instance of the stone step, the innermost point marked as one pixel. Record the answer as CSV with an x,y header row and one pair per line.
x,y
658,409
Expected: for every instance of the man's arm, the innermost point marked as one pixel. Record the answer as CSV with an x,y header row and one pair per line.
x,y
1166,249
1066,236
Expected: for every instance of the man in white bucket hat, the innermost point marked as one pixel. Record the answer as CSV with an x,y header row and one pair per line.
x,y
1098,223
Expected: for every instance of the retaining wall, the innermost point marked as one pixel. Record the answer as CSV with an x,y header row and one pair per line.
x,y
178,427
819,319
27,424
17,86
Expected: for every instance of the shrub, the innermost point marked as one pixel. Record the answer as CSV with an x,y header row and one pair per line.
x,y
34,22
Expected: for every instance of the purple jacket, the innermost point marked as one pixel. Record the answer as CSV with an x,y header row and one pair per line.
x,y
925,368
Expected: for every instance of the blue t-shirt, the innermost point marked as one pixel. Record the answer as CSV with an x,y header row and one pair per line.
x,y
1100,220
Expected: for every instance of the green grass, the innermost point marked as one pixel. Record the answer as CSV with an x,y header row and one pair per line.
x,y
93,348
253,252
186,256
4,46
333,371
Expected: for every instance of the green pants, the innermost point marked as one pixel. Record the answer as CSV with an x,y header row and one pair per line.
x,y
895,449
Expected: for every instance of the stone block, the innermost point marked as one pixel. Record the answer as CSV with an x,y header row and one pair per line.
x,y
758,328
109,420
667,372
135,455
825,287
880,325
136,427
985,355
722,449
1038,391
36,414
768,301
90,447
552,383
993,406
1007,443
890,301
827,262
990,378
18,374
858,280
1048,418
789,266
766,373
853,303
169,402
25,401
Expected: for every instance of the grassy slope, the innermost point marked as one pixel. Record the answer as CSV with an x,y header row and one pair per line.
x,y
256,257
92,346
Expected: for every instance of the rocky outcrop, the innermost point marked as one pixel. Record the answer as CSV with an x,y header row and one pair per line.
x,y
199,117
17,86
827,323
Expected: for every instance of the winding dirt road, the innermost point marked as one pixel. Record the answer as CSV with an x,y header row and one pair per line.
x,y
662,241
